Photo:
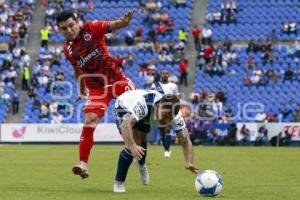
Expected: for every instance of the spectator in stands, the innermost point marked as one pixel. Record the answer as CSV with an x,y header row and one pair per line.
x,y
57,118
293,27
25,59
288,75
150,5
44,37
129,37
267,45
260,117
60,76
271,117
206,35
251,46
262,137
268,56
155,17
143,70
173,78
162,57
12,75
251,63
53,107
139,34
210,18
216,16
178,56
170,26
130,58
15,102
36,103
164,17
25,77
245,133
272,75
183,65
151,35
182,35
234,6
161,29
196,35
22,36
213,137
194,98
180,3
217,108
44,111
285,110
152,76
274,37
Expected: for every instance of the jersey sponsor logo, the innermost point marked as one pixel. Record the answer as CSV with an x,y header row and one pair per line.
x,y
86,58
180,123
87,37
139,110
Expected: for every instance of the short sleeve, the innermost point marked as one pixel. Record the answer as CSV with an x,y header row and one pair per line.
x,y
139,111
153,87
100,27
178,123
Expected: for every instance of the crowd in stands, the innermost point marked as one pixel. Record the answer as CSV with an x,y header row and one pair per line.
x,y
227,14
153,20
245,20
15,17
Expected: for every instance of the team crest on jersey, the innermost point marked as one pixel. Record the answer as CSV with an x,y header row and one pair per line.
x,y
87,37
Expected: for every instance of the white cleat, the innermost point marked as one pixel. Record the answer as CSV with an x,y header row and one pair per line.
x,y
119,187
144,174
81,170
167,154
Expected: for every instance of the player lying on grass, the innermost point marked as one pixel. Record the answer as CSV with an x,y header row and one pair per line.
x,y
136,111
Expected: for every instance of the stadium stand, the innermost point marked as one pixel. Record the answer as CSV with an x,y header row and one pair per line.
x,y
143,26
245,20
14,21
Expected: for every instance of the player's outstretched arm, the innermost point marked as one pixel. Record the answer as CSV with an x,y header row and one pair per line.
x,y
122,22
187,146
127,134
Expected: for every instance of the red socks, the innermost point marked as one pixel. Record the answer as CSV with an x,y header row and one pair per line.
x,y
86,143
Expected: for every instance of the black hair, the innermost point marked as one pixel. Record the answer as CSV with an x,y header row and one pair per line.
x,y
171,102
65,15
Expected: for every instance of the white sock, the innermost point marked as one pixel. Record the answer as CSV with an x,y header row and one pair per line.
x,y
84,164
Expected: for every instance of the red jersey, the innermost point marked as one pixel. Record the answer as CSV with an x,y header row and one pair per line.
x,y
89,54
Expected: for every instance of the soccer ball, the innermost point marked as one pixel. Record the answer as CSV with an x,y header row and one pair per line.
x,y
208,183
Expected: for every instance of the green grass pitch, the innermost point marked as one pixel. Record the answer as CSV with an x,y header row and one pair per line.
x,y
43,172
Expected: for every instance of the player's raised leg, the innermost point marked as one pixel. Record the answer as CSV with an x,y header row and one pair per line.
x,y
86,144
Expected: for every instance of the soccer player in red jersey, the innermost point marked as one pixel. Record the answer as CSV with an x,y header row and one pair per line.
x,y
100,76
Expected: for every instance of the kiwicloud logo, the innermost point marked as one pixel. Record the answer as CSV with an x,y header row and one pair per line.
x,y
18,133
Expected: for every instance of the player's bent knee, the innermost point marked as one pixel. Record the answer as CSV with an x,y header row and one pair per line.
x,y
91,119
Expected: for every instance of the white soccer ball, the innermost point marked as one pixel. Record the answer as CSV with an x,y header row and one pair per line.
x,y
208,183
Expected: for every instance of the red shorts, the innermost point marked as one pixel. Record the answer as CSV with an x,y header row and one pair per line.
x,y
99,98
